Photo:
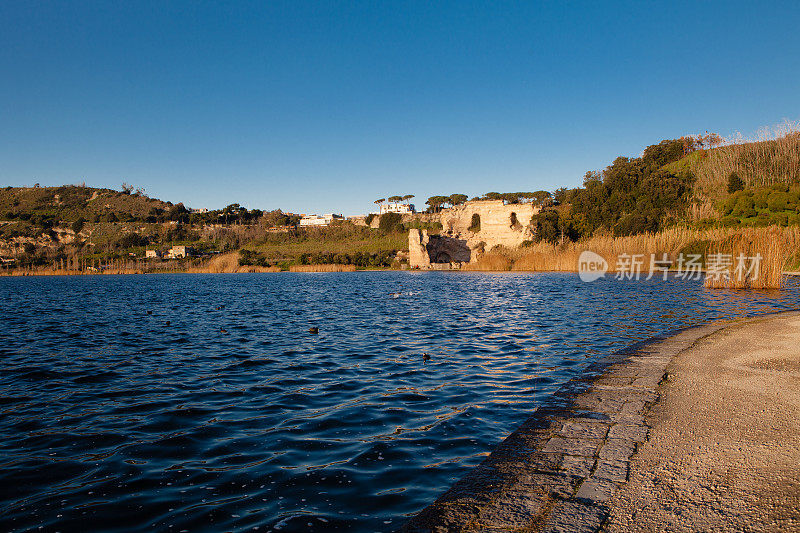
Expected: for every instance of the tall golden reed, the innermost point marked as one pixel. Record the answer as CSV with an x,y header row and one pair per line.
x,y
755,258
774,244
322,268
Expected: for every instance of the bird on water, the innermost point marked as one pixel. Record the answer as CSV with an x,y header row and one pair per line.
x,y
313,331
426,357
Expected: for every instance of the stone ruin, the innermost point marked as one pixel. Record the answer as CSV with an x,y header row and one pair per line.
x,y
460,241
435,251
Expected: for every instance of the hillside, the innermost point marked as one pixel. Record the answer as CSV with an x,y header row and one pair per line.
x,y
69,203
75,225
683,182
691,182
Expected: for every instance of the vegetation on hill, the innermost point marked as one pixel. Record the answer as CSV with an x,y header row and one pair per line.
x,y
632,195
699,183
437,203
703,181
74,224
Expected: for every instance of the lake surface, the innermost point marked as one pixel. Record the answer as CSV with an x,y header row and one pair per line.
x,y
198,402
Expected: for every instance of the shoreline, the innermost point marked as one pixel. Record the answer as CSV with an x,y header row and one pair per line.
x,y
561,468
245,270
724,448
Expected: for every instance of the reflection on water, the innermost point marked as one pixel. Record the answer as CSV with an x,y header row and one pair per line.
x,y
185,402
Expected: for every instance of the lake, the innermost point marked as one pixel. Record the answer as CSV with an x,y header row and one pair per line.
x,y
185,402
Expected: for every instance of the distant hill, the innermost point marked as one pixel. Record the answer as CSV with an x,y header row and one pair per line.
x,y
68,203
756,164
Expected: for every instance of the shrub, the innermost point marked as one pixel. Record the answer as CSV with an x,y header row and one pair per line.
x,y
777,201
735,183
77,226
131,240
760,198
475,225
744,207
369,218
390,222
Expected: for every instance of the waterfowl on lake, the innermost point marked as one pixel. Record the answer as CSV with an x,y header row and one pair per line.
x,y
223,330
313,331
426,357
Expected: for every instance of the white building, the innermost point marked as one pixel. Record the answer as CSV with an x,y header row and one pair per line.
x,y
177,252
152,254
317,220
397,207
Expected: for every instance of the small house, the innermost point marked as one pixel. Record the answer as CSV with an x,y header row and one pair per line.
x,y
317,220
178,252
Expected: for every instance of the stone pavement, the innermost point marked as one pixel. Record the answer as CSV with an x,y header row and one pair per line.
x,y
557,472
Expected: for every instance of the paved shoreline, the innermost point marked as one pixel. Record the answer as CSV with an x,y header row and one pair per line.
x,y
565,468
724,449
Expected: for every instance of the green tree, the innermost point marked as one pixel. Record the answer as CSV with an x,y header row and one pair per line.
x,y
735,183
435,203
390,222
458,199
560,195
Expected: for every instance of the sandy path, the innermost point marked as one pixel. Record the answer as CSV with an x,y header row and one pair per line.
x,y
724,448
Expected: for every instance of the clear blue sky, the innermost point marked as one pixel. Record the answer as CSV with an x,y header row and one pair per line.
x,y
327,106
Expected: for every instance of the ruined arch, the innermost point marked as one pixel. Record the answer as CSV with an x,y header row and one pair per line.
x,y
442,257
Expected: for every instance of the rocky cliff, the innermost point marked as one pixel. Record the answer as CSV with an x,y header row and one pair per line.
x,y
470,229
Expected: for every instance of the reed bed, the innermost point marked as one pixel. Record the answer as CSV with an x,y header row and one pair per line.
x,y
752,259
221,264
776,247
322,268
70,272
491,261
548,257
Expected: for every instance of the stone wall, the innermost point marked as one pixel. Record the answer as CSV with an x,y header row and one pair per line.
x,y
433,251
500,224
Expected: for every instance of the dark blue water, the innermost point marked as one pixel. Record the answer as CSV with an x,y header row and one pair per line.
x,y
113,419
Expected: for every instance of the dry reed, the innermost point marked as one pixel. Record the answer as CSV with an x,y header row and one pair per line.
x,y
494,261
752,258
775,246
773,156
322,268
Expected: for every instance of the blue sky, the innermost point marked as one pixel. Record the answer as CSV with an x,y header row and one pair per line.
x,y
327,106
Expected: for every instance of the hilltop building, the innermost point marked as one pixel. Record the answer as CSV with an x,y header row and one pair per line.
x,y
397,207
317,220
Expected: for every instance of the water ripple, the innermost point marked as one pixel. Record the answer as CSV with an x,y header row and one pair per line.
x,y
126,406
